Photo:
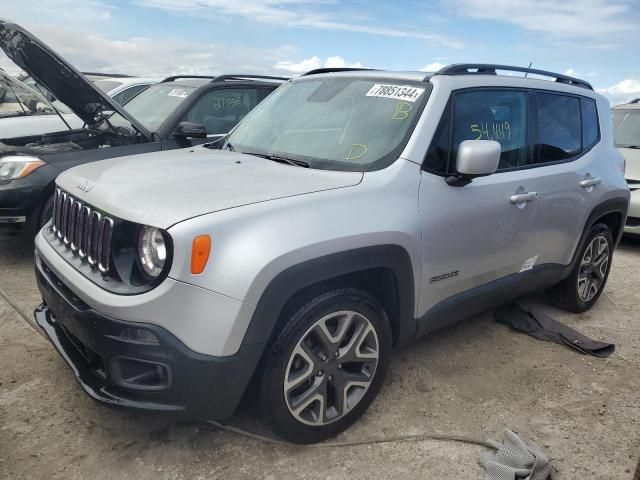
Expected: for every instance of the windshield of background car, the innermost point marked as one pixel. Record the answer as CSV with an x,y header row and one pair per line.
x,y
152,106
15,97
343,123
626,127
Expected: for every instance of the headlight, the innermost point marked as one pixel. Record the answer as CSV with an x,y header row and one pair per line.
x,y
152,250
18,166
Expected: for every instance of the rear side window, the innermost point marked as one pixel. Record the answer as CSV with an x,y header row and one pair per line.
x,y
590,125
559,127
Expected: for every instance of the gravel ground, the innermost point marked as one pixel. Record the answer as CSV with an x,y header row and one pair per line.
x,y
477,379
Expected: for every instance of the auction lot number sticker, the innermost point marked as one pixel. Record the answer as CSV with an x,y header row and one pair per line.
x,y
398,92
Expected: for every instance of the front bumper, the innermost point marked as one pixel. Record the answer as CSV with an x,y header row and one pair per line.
x,y
131,372
632,225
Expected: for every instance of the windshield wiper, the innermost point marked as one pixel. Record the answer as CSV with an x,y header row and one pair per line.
x,y
278,158
637,147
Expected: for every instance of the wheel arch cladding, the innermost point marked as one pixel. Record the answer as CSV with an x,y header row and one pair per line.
x,y
385,271
613,213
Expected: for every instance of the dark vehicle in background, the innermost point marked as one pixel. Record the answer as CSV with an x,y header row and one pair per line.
x,y
179,112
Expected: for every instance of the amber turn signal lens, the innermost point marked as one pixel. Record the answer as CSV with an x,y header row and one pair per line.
x,y
200,253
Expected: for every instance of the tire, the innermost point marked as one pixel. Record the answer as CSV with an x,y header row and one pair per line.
x,y
355,345
39,217
584,285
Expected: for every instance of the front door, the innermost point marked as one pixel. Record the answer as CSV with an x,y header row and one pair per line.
x,y
479,237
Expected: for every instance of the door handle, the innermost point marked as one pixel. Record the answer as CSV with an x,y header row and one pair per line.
x,y
523,197
590,182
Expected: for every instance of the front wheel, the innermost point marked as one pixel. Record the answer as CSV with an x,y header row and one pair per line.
x,y
326,366
584,285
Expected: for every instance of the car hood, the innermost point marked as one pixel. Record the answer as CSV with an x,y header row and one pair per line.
x,y
632,156
40,124
161,189
65,82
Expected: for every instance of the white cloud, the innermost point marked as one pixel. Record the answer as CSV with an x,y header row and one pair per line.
x,y
622,92
594,22
313,63
298,13
152,57
571,72
433,67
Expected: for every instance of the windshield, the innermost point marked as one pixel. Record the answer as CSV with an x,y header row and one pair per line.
x,y
154,105
341,123
18,99
626,127
107,85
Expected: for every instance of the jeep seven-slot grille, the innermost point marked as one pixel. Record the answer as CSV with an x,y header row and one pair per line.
x,y
83,230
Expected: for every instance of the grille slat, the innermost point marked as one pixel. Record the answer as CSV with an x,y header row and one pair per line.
x,y
86,232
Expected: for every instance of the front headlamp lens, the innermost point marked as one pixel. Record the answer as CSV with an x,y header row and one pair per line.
x,y
18,166
152,250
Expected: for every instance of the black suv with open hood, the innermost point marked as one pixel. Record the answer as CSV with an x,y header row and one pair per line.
x,y
178,112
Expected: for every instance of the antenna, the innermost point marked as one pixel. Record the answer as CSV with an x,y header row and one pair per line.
x,y
527,73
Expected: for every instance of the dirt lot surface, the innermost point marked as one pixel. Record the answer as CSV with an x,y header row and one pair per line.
x,y
475,379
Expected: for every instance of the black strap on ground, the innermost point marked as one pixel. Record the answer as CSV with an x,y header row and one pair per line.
x,y
543,327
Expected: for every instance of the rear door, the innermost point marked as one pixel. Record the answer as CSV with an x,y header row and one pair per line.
x,y
564,171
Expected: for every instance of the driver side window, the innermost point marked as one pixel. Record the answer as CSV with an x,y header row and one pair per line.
x,y
220,110
499,115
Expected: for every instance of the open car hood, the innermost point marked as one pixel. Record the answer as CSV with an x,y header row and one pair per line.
x,y
65,82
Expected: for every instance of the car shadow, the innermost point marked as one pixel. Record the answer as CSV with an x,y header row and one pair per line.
x,y
16,245
630,243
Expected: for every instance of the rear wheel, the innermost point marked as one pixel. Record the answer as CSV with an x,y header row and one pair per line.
x,y
584,285
326,366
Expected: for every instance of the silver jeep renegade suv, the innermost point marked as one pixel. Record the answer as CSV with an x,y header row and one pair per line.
x,y
349,213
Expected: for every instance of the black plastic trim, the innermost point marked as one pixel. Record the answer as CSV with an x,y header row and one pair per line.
x,y
298,277
201,386
490,69
489,295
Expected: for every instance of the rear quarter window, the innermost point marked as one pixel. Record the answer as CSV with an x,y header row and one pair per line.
x,y
590,124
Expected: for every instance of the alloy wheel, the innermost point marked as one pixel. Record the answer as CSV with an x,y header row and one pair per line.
x,y
331,368
593,268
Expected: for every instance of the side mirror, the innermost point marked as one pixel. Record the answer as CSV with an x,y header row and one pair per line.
x,y
190,130
476,158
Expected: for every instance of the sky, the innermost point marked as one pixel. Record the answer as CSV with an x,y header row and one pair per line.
x,y
592,39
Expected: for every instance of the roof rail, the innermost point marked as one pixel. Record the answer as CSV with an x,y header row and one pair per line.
x,y
176,77
317,71
635,100
106,75
490,69
222,78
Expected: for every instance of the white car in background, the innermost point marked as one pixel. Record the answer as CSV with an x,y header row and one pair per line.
x,y
24,111
123,89
626,127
